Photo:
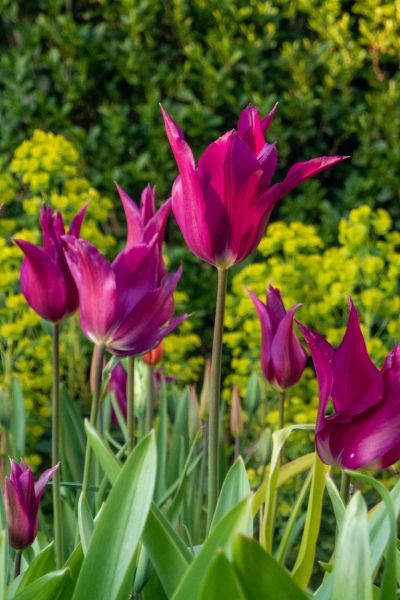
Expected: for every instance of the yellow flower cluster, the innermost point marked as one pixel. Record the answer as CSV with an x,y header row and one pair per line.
x,y
365,263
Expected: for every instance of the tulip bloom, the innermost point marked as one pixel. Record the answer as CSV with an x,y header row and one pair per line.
x,y
22,497
144,222
364,430
223,205
118,383
45,278
282,356
123,306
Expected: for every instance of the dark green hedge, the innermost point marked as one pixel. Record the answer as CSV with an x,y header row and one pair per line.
x,y
96,71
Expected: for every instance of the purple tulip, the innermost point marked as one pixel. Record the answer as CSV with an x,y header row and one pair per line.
x,y
144,222
282,356
223,205
117,385
22,497
45,278
123,306
364,429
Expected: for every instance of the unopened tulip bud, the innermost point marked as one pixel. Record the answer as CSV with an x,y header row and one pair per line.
x,y
236,419
154,356
205,391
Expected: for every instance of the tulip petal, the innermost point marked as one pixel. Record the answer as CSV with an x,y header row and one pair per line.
x,y
266,122
18,521
275,307
76,223
267,335
134,221
148,203
42,282
288,357
357,382
250,129
96,284
43,481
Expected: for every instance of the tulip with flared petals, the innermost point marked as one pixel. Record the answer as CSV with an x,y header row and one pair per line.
x,y
22,497
364,429
223,205
282,356
123,305
45,278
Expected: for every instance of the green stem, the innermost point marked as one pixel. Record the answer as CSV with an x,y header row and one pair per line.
x,y
17,566
55,450
215,394
282,400
345,487
151,398
130,398
97,365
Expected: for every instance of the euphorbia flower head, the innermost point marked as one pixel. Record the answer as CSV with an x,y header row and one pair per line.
x,y
144,222
223,205
45,278
117,385
123,305
282,356
22,497
364,430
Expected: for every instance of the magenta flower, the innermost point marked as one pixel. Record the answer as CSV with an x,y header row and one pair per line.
x,y
22,497
144,222
45,278
123,306
282,356
223,205
117,385
364,429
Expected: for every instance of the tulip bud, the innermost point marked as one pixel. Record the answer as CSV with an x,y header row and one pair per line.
x,y
194,412
236,419
205,391
22,498
154,356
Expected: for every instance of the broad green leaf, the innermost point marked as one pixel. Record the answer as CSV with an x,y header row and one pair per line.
x,y
3,563
221,538
260,575
47,587
173,509
168,554
43,563
235,487
107,571
336,500
17,421
221,581
85,522
351,574
305,559
72,438
104,455
74,564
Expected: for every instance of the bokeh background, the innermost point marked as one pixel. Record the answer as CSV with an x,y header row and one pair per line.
x,y
80,87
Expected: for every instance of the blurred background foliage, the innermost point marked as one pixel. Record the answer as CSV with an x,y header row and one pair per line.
x,y
80,84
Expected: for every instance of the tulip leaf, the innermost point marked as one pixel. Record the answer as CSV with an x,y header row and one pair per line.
x,y
107,571
336,500
260,575
47,587
72,438
221,581
221,538
103,453
351,574
162,437
235,487
73,563
3,563
43,563
180,438
168,554
85,522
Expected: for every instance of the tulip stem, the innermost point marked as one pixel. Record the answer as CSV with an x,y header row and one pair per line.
x,y
17,566
282,400
215,395
130,396
151,400
55,450
97,366
345,487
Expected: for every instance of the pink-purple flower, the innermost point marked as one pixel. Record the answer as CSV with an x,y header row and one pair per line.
x,y
282,356
123,305
223,204
22,497
364,428
45,278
